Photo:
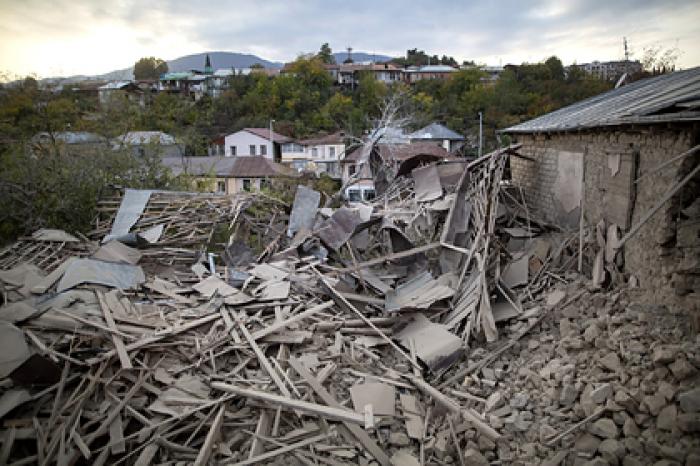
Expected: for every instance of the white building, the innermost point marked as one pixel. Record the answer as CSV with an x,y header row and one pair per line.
x,y
254,141
321,154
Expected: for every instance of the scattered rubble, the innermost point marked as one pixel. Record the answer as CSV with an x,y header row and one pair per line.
x,y
442,324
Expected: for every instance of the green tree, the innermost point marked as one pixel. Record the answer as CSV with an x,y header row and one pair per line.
x,y
149,68
325,54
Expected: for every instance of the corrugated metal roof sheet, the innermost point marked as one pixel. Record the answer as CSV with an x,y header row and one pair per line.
x,y
662,98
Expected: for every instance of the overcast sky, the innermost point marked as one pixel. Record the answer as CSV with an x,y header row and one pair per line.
x,y
65,37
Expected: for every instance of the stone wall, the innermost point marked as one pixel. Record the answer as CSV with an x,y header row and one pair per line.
x,y
664,261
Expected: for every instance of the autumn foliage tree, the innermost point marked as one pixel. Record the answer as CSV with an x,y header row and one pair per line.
x,y
149,68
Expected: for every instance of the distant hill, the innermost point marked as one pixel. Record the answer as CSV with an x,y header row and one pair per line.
x,y
218,60
340,57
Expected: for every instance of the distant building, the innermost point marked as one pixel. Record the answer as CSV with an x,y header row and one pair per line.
x,y
610,70
419,73
255,141
120,90
325,153
142,143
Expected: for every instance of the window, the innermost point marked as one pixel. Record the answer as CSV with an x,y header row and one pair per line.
x,y
351,169
141,151
331,152
368,194
233,151
354,195
220,186
314,152
265,184
263,149
252,149
247,183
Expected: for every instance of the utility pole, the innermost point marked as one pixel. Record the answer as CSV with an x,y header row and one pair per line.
x,y
481,132
627,53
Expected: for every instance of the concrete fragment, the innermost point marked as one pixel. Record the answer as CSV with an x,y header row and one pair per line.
x,y
495,400
663,355
667,418
474,457
519,400
690,400
630,429
688,422
655,403
586,445
681,368
399,439
568,395
605,428
611,362
612,450
600,394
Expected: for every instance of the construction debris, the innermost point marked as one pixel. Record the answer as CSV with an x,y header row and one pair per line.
x,y
442,323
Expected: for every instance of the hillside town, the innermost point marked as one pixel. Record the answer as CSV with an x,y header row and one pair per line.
x,y
411,261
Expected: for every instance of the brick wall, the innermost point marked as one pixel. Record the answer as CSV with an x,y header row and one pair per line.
x,y
665,263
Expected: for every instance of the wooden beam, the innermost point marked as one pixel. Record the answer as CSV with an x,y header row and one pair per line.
x,y
327,398
281,451
213,435
116,339
337,414
277,326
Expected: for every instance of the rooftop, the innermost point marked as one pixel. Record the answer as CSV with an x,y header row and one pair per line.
x,y
265,133
227,167
335,138
666,98
436,131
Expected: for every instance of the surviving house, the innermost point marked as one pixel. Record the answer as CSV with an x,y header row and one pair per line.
x,y
450,140
142,143
255,141
229,175
625,163
323,154
415,74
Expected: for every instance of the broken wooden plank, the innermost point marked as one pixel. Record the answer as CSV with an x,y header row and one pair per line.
x,y
116,339
277,326
326,412
364,438
212,436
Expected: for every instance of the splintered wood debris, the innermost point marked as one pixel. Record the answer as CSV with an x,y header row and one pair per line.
x,y
206,329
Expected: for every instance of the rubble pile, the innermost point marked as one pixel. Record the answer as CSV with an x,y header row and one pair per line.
x,y
441,324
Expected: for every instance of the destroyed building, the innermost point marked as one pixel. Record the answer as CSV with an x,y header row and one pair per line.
x,y
448,320
613,158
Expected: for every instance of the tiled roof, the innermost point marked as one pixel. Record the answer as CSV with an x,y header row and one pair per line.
x,y
406,151
265,134
335,138
228,167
